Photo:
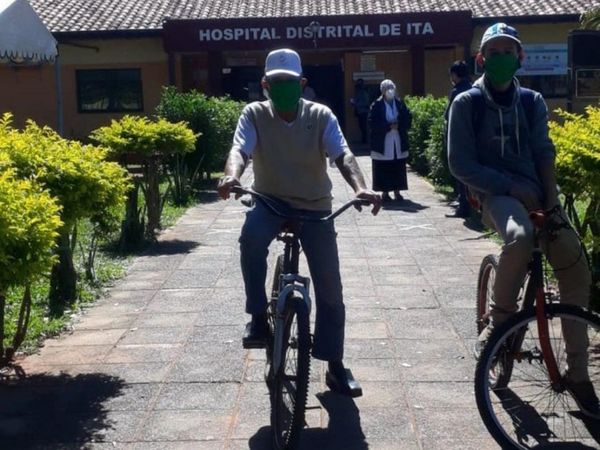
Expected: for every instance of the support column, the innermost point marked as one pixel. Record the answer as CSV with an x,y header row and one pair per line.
x,y
418,69
215,77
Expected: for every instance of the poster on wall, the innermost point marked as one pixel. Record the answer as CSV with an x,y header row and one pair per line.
x,y
544,59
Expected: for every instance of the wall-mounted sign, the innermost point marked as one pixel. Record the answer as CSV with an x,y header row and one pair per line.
x,y
587,83
544,59
318,31
368,63
368,76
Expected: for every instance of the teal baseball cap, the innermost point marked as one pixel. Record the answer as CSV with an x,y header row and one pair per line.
x,y
499,30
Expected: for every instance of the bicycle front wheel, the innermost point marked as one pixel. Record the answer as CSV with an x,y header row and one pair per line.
x,y
290,382
528,411
485,285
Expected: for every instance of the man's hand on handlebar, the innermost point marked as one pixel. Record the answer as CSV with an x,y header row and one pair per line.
x,y
372,197
225,185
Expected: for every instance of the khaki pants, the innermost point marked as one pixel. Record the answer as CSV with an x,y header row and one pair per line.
x,y
510,219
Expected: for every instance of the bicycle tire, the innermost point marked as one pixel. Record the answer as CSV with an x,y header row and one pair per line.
x,y
485,284
528,412
287,420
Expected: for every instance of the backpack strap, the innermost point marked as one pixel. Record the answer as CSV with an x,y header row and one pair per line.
x,y
477,108
527,98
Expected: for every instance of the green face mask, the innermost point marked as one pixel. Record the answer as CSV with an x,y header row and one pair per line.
x,y
285,95
500,69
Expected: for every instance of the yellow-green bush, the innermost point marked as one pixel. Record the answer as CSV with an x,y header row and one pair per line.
x,y
153,142
83,182
577,141
29,223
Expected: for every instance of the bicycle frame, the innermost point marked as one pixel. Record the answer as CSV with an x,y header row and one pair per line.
x,y
539,302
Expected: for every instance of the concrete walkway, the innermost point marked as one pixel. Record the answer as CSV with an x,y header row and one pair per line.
x,y
159,364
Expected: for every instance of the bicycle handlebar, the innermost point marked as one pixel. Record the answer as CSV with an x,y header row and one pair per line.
x,y
270,203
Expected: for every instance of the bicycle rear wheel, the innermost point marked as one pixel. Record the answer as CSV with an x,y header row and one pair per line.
x,y
290,383
528,411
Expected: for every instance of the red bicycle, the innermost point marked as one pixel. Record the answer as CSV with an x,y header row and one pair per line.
x,y
520,388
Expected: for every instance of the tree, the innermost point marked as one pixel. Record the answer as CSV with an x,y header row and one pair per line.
x,y
29,224
590,20
151,142
81,179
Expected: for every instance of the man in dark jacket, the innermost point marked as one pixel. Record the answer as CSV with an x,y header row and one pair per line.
x,y
508,163
459,76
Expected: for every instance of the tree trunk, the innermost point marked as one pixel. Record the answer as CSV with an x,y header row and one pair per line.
x,y
2,307
63,280
132,228
153,201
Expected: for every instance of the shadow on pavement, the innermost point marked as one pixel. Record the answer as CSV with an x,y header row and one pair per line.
x,y
171,247
343,431
56,411
405,205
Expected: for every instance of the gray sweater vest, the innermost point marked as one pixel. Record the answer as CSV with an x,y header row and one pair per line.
x,y
290,162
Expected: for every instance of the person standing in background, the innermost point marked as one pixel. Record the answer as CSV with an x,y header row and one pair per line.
x,y
361,102
389,121
461,82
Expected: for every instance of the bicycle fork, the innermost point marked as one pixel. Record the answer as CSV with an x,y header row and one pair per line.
x,y
292,283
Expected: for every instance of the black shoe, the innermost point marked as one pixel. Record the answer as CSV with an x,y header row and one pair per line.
x,y
257,330
398,196
340,380
459,214
584,395
385,197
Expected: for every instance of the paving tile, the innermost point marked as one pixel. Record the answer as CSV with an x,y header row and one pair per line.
x,y
192,396
156,335
140,353
87,338
176,425
435,395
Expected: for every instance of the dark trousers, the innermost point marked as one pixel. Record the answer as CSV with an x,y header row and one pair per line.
x,y
362,124
463,200
319,244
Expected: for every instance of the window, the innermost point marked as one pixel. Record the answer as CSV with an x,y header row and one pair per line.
x,y
550,86
109,90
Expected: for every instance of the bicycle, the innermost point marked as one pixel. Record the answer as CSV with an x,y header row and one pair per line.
x,y
520,391
289,341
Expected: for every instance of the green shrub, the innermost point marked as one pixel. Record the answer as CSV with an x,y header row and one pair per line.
x,y
425,111
214,119
435,153
577,142
29,223
153,142
79,177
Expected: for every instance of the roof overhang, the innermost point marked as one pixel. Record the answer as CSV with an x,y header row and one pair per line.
x,y
23,36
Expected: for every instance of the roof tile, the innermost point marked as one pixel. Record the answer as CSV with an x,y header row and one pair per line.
x,y
104,15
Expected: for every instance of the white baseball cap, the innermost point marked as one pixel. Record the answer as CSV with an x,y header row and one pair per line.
x,y
283,62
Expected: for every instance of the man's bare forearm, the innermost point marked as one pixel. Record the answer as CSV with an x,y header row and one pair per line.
x,y
236,164
351,171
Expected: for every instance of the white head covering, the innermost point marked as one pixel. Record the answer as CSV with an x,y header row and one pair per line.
x,y
386,85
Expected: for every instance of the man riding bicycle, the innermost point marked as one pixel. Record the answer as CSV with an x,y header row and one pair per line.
x,y
498,145
290,140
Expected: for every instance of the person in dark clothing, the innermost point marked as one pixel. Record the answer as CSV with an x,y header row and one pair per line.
x,y
459,76
361,102
389,122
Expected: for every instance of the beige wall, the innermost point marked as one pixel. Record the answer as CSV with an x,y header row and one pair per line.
x,y
396,66
437,63
28,93
32,92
